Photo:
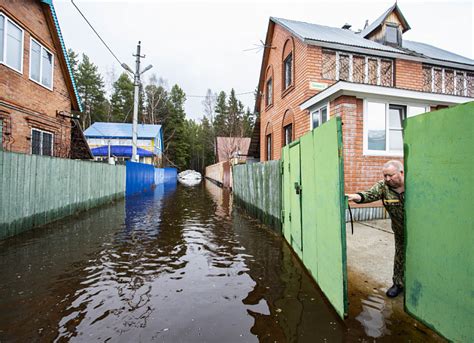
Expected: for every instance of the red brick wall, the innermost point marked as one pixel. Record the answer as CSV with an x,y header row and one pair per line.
x,y
408,75
360,171
33,105
306,68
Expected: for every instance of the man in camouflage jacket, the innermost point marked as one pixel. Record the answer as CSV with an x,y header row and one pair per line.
x,y
391,191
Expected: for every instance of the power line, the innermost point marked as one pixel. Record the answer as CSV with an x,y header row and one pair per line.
x,y
83,16
215,96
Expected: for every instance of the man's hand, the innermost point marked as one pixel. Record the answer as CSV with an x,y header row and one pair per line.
x,y
353,197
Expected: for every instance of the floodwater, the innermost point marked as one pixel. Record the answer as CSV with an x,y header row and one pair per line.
x,y
175,265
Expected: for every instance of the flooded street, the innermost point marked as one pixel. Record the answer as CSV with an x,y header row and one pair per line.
x,y
175,265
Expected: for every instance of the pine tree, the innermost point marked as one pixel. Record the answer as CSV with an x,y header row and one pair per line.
x,y
234,116
207,139
90,87
220,120
248,123
122,99
73,62
174,130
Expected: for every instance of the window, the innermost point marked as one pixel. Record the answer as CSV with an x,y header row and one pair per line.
x,y
383,127
396,116
288,134
269,93
269,147
319,116
448,81
391,34
41,142
11,44
288,70
357,68
41,64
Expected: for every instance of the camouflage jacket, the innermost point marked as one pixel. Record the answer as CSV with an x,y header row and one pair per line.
x,y
392,200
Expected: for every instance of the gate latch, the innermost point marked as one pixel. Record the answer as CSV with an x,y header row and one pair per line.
x,y
298,188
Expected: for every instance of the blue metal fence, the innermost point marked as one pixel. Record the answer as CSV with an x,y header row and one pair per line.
x,y
140,178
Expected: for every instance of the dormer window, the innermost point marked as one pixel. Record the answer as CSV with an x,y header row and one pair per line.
x,y
392,35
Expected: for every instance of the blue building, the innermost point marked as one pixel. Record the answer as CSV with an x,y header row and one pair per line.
x,y
118,136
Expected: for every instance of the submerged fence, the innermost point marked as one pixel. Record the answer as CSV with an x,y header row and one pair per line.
x,y
257,188
36,189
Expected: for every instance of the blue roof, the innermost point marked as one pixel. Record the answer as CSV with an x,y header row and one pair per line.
x,y
64,50
121,130
120,151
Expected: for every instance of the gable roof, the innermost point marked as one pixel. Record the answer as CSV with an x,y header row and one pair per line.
x,y
379,21
121,130
57,36
320,33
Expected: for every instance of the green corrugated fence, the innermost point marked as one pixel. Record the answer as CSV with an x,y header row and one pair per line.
x,y
439,220
36,189
257,188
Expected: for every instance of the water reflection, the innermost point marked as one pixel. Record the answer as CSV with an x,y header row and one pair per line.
x,y
178,264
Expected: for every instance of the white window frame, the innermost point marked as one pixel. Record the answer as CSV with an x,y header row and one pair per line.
x,y
42,47
386,152
318,109
41,146
3,60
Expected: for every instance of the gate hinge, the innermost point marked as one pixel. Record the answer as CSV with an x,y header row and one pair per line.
x,y
282,216
289,216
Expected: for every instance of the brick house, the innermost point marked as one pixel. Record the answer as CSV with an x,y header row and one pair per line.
x,y
37,89
372,79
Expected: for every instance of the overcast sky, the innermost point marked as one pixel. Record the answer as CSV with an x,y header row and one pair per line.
x,y
200,44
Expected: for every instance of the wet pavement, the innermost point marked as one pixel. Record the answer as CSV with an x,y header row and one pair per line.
x,y
179,264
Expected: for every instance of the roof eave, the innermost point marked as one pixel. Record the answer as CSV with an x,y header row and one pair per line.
x,y
364,90
59,41
266,51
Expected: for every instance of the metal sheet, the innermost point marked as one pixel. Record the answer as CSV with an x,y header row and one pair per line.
x,y
322,211
439,160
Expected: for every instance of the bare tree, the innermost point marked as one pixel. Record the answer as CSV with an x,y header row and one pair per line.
x,y
209,104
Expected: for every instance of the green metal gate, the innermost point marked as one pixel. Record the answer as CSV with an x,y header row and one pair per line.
x,y
439,161
314,207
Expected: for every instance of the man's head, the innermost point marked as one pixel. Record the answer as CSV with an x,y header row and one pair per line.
x,y
393,174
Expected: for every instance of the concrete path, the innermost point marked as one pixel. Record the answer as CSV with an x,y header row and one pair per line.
x,y
370,253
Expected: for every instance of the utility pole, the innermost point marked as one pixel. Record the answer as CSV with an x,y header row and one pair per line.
x,y
135,103
136,81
